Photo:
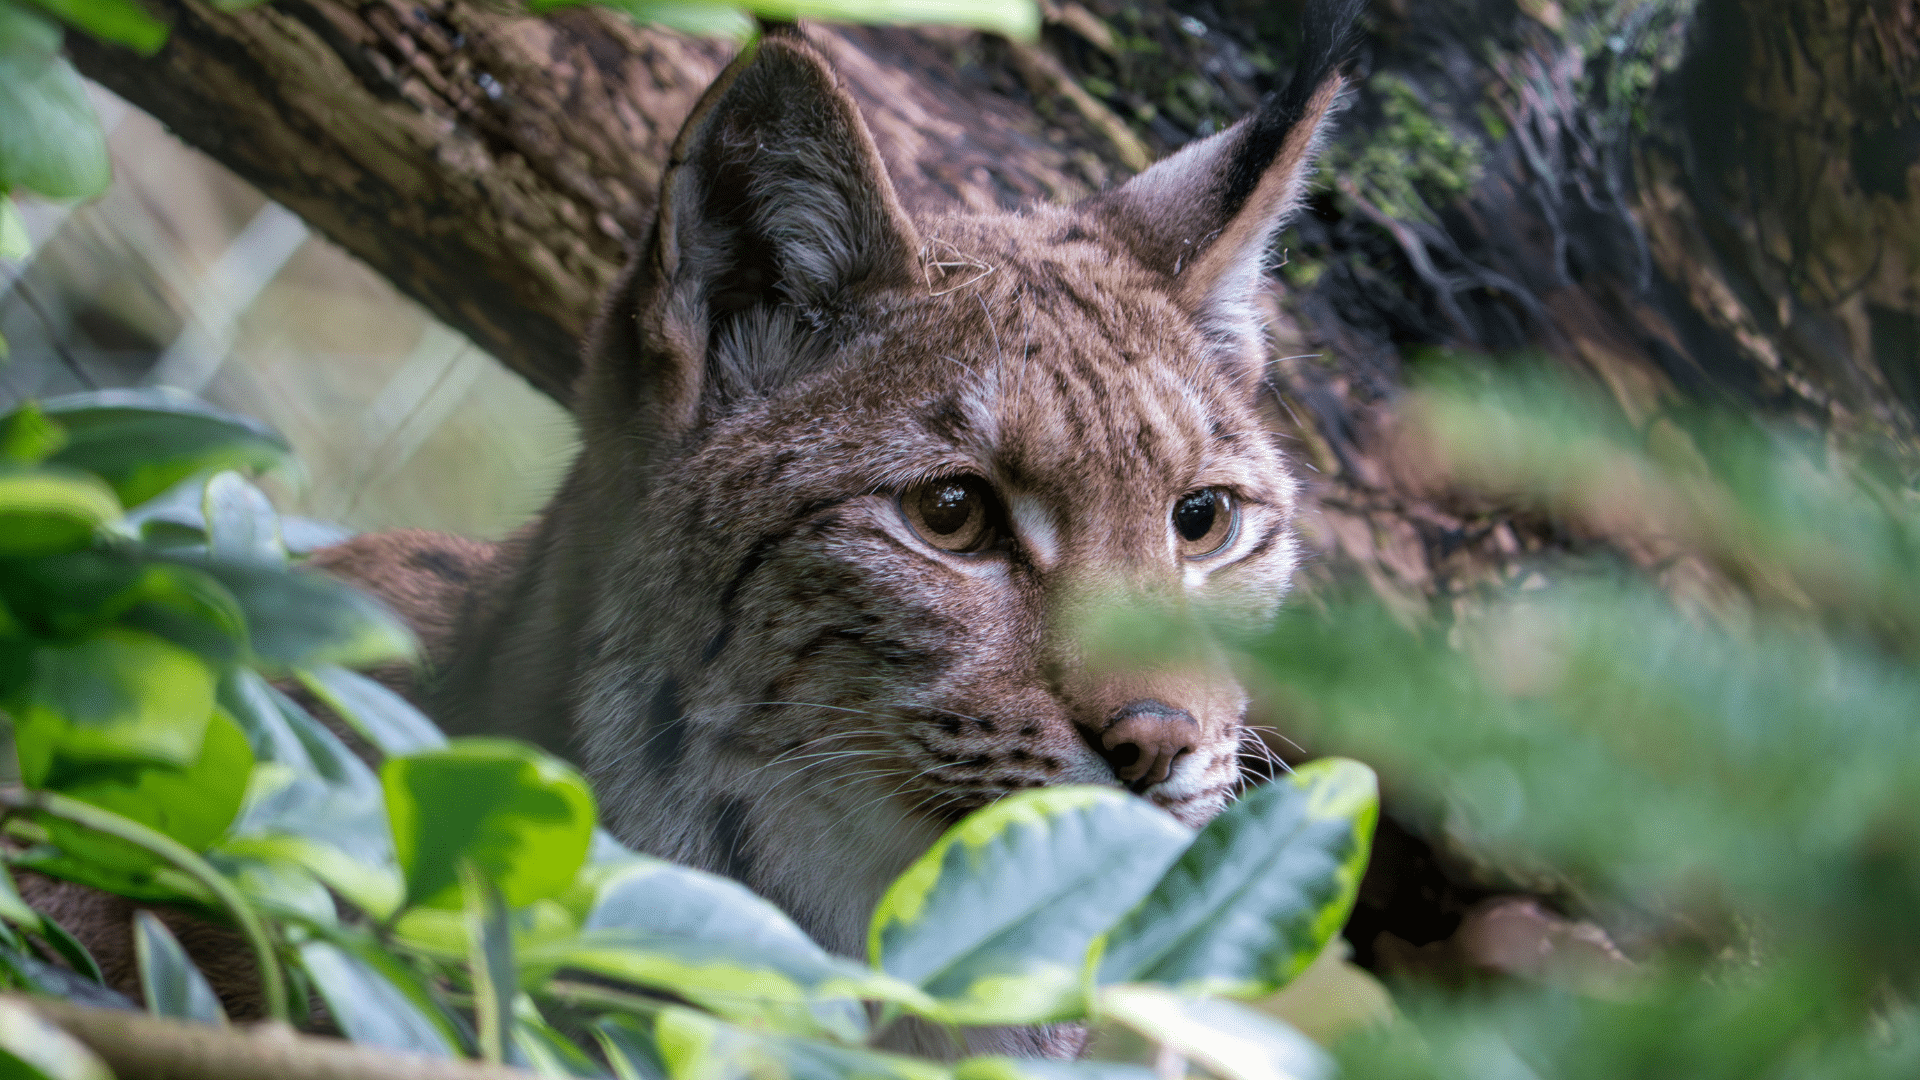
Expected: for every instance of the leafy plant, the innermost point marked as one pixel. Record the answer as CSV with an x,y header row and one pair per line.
x,y
1718,759
457,901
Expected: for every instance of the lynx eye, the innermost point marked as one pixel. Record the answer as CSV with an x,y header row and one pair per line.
x,y
953,513
1205,521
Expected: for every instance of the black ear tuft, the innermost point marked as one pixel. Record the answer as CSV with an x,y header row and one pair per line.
x,y
776,214
1329,32
1206,215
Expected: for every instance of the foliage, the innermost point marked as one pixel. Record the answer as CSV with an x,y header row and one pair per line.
x,y
1720,761
451,902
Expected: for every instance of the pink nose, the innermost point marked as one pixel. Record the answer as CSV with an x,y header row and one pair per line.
x,y
1144,740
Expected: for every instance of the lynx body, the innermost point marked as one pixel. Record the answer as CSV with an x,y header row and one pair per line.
x,y
853,484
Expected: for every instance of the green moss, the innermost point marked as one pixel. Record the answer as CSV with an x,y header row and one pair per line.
x,y
1412,161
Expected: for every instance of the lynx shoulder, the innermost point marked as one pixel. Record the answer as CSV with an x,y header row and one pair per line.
x,y
852,484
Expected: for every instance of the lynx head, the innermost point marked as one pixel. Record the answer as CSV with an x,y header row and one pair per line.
x,y
856,482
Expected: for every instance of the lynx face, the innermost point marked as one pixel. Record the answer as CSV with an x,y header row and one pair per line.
x,y
854,487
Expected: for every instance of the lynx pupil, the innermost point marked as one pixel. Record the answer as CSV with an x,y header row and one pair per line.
x,y
947,507
1193,515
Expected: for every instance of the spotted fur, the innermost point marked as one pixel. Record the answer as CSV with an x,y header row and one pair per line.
x,y
724,614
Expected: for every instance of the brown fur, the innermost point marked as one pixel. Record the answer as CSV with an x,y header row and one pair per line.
x,y
724,614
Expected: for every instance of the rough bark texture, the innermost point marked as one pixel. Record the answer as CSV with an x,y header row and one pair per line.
x,y
1682,200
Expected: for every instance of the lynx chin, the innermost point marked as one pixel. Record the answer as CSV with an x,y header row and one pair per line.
x,y
852,481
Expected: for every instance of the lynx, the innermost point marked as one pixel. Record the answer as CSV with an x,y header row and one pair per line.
x,y
852,484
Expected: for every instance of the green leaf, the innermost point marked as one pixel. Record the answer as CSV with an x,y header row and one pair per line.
x,y
241,524
15,243
1262,890
80,593
193,805
32,1048
367,1004
694,1046
122,22
52,143
322,808
1010,18
751,958
523,818
1005,1068
13,907
374,887
24,32
248,698
43,511
687,16
1229,1041
173,987
71,950
997,918
382,717
628,1046
144,441
283,887
26,435
490,960
728,979
303,619
547,1051
121,696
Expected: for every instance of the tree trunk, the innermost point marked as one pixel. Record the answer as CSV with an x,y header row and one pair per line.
x,y
1682,200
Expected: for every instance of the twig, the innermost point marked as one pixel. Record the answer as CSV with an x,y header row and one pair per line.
x,y
140,1047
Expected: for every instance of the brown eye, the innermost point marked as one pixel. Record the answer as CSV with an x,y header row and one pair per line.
x,y
1204,520
954,513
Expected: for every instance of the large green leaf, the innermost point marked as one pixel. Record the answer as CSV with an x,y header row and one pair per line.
x,y
382,717
316,805
123,22
43,511
522,817
996,919
79,593
144,441
51,143
303,619
193,805
368,1004
33,1048
173,987
1262,890
1229,1041
120,696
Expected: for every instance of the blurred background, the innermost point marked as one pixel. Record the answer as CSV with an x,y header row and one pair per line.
x,y
184,275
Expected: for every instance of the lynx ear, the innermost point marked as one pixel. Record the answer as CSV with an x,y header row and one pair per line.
x,y
1206,215
775,213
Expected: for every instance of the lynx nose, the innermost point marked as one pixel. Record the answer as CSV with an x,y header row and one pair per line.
x,y
1143,740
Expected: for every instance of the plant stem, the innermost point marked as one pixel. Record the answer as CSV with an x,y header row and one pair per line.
x,y
136,1045
273,987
